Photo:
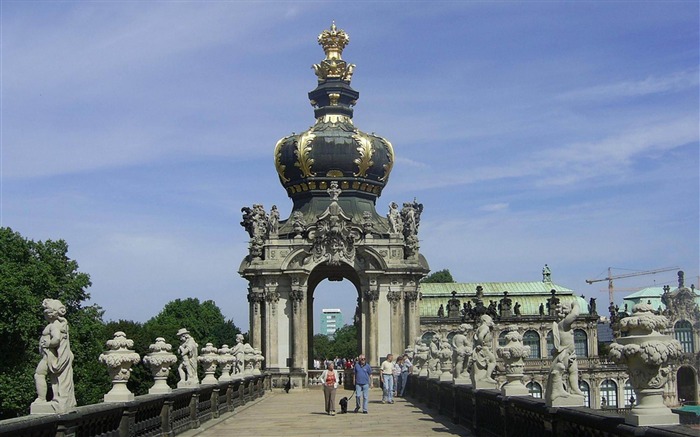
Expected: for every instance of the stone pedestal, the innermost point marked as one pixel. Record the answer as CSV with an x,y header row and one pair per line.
x,y
42,407
482,384
462,381
119,360
572,400
159,359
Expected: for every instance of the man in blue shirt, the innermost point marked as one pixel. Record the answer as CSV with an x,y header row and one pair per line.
x,y
363,382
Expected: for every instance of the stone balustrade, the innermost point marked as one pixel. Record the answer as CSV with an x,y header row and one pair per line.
x,y
167,414
489,413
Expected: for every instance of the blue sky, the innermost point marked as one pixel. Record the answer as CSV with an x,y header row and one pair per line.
x,y
533,132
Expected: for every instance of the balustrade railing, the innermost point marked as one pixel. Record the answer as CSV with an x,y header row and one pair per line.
x,y
146,416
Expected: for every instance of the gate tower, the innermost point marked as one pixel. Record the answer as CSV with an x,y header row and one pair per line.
x,y
334,173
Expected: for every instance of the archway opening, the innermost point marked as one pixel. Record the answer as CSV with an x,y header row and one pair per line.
x,y
334,325
687,386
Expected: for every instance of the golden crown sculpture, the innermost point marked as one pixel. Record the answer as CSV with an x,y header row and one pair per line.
x,y
333,41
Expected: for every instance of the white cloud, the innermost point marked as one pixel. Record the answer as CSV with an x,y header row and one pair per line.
x,y
675,82
494,207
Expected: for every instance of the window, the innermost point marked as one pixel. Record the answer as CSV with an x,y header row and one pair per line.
x,y
532,339
581,343
502,338
428,337
535,389
608,394
586,389
550,344
629,395
684,334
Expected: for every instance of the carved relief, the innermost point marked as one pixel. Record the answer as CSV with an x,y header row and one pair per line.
x,y
390,164
302,152
278,160
365,149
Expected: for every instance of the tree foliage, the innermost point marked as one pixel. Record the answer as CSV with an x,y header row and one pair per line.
x,y
29,273
441,276
343,344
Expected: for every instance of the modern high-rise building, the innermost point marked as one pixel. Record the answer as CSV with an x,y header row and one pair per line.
x,y
331,321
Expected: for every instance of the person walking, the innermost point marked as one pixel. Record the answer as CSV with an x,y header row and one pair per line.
x,y
388,379
330,380
363,382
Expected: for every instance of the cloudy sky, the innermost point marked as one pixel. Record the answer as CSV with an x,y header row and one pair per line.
x,y
563,133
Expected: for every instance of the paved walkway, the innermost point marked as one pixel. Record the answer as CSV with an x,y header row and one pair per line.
x,y
301,413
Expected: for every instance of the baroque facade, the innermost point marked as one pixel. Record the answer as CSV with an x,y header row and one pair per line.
x,y
334,173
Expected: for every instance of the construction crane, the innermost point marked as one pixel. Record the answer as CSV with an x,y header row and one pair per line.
x,y
611,289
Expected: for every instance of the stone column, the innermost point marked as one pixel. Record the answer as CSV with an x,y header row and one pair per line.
x,y
255,299
398,342
119,359
271,350
412,301
371,296
296,295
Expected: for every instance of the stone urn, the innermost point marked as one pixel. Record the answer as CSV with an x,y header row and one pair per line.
x,y
513,354
226,359
259,358
209,359
248,359
159,359
119,359
647,353
445,357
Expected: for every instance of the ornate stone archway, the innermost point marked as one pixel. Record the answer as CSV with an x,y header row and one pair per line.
x,y
334,173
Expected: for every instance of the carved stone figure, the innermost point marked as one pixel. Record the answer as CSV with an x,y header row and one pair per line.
x,y
441,311
119,359
562,385
492,309
209,359
56,363
421,354
274,220
367,223
553,304
462,351
592,306
505,305
482,362
159,359
433,363
453,306
410,214
445,356
298,224
189,352
239,356
512,354
394,217
541,310
546,274
516,309
647,353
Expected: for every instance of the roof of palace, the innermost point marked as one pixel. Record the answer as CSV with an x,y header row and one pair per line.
x,y
653,295
528,294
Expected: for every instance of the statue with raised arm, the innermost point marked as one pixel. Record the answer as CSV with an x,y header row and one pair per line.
x,y
562,384
56,363
188,367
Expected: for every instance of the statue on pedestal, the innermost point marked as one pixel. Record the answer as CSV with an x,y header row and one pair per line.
x,y
239,357
119,359
482,363
563,375
421,353
188,367
462,351
56,363
159,359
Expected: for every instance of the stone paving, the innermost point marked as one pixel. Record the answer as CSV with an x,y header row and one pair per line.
x,y
300,413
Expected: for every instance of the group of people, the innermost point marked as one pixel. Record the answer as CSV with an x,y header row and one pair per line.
x,y
393,380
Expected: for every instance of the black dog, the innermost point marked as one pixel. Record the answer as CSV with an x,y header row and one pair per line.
x,y
288,385
343,405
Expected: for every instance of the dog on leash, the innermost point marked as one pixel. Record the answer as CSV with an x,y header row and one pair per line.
x,y
343,405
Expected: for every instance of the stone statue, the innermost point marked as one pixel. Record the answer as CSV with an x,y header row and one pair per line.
x,y
239,356
298,223
421,354
546,274
553,303
119,359
453,306
516,309
410,214
505,305
541,309
188,367
445,356
492,309
274,220
394,217
513,352
433,363
441,311
562,385
247,222
56,363
462,351
482,362
592,306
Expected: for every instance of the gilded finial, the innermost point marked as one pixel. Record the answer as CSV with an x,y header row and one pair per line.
x,y
333,41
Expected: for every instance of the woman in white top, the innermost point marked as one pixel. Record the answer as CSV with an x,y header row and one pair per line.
x,y
330,379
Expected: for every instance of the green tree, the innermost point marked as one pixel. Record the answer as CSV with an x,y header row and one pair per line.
x,y
30,272
343,344
204,321
441,276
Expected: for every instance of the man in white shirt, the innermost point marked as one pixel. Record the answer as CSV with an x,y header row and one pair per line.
x,y
387,369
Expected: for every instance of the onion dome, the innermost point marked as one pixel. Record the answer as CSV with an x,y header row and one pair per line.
x,y
333,149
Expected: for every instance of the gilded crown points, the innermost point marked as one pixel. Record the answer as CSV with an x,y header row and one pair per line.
x,y
333,41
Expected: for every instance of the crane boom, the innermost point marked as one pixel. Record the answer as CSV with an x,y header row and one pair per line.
x,y
611,290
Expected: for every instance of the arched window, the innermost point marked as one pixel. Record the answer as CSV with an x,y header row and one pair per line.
x,y
684,334
532,339
535,389
608,394
550,344
581,343
427,337
586,389
502,338
629,395
450,336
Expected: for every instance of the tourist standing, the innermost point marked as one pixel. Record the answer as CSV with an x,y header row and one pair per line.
x,y
363,382
388,379
330,380
397,374
405,370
